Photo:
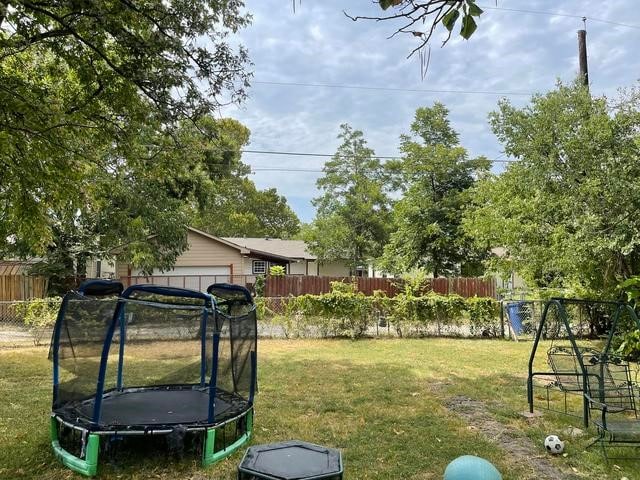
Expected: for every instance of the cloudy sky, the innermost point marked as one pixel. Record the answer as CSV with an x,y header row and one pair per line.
x,y
512,53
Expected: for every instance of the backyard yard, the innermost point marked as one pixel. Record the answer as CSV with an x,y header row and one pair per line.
x,y
397,408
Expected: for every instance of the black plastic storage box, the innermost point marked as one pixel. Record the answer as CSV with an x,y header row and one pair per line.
x,y
292,460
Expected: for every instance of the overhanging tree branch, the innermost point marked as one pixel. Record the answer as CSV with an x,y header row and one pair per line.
x,y
430,13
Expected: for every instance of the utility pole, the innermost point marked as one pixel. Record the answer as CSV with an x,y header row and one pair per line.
x,y
582,55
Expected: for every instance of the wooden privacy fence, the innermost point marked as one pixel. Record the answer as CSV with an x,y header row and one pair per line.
x,y
465,286
296,285
15,284
22,287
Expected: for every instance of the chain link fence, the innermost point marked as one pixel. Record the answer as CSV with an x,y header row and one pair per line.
x,y
30,323
27,323
278,320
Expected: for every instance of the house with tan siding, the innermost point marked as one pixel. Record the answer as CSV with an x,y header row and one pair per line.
x,y
210,259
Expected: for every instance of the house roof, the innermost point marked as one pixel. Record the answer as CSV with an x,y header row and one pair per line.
x,y
224,241
265,248
292,249
17,267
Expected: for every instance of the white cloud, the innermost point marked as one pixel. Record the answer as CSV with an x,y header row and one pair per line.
x,y
513,52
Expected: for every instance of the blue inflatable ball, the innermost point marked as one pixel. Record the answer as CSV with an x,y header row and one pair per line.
x,y
469,467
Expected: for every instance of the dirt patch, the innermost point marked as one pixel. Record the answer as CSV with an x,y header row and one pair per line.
x,y
518,447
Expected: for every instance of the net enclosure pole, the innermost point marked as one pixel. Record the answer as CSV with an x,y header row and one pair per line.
x,y
533,355
214,376
123,336
103,361
254,375
203,348
56,346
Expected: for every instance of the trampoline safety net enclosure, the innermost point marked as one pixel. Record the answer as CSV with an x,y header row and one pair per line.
x,y
152,360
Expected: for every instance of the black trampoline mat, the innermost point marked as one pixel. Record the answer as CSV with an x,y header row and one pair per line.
x,y
156,407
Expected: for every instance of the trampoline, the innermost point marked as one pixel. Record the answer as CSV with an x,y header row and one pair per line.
x,y
152,360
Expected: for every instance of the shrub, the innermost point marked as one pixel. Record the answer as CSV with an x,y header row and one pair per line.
x,y
259,286
39,315
277,271
346,312
484,316
629,349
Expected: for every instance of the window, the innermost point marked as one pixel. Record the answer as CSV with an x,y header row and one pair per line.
x,y
259,267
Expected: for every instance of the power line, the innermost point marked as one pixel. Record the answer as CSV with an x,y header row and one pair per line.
x,y
566,15
327,155
309,154
392,89
278,169
454,91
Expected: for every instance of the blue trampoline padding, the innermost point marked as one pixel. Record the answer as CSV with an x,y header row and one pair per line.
x,y
97,287
168,291
232,288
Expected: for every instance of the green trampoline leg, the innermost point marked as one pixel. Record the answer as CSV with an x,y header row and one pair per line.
x,y
210,456
88,466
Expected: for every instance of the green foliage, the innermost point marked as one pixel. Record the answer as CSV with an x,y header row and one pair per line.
x,y
469,26
630,288
415,281
39,315
482,316
384,4
343,287
147,46
347,312
91,113
141,203
434,175
437,11
352,218
629,349
235,207
414,315
565,211
98,151
259,285
277,271
263,307
450,19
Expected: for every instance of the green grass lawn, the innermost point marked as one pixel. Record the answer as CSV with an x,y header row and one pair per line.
x,y
384,403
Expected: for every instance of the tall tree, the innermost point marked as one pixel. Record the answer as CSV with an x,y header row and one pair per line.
x,y
353,210
140,206
139,200
83,83
434,175
566,210
233,206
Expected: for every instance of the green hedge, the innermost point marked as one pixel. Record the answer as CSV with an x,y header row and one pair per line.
x,y
345,312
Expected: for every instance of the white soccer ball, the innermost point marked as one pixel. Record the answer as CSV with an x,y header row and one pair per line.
x,y
553,444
